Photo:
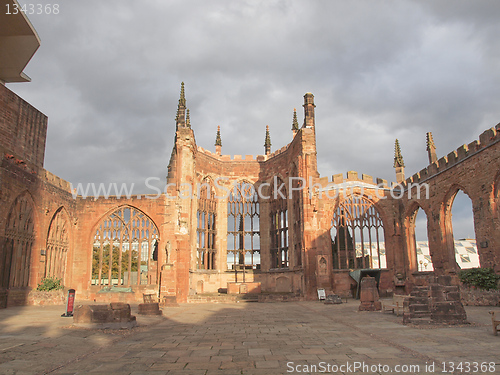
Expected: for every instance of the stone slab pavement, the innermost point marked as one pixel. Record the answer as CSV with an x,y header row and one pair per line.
x,y
247,338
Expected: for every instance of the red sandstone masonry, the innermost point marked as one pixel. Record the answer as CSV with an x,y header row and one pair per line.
x,y
23,129
473,168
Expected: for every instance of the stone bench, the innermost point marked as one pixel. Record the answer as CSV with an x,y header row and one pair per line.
x,y
397,305
496,322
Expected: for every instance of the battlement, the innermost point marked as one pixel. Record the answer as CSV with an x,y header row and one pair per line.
x,y
486,139
56,180
353,176
241,157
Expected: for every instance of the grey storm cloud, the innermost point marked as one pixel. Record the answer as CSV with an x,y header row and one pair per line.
x,y
108,76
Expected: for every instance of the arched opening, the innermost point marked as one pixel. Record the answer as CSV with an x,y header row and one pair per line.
x,y
296,220
496,195
57,246
124,244
19,240
279,225
243,231
418,244
357,235
464,238
205,227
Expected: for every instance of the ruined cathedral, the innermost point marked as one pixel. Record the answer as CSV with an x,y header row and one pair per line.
x,y
268,224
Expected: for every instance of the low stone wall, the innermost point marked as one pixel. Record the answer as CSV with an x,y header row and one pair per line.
x,y
280,297
17,296
212,298
54,297
243,288
471,296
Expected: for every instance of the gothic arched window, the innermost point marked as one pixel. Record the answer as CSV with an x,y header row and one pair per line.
x,y
357,235
279,225
19,239
124,242
243,232
57,246
205,223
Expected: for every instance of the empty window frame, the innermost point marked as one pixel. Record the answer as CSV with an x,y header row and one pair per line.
x,y
206,231
243,232
357,235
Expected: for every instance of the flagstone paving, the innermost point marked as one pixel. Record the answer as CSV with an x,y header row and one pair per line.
x,y
246,338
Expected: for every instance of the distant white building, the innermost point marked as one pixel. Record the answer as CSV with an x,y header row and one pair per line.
x,y
465,254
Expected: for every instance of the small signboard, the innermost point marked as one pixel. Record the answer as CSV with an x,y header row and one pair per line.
x,y
70,303
321,294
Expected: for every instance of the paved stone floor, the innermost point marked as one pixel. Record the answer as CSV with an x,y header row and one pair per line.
x,y
246,338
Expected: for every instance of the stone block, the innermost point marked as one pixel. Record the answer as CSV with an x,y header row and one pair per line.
x,y
368,295
116,315
152,308
444,280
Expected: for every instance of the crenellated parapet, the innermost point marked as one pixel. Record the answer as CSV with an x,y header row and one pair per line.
x,y
56,180
241,157
354,177
486,139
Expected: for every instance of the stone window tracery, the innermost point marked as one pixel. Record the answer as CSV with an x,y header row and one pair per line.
x,y
279,226
297,218
20,238
357,235
243,232
124,244
206,231
57,247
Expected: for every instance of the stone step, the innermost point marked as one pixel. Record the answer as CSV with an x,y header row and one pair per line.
x,y
419,321
419,307
420,315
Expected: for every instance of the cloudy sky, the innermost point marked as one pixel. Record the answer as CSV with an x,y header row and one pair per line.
x,y
108,75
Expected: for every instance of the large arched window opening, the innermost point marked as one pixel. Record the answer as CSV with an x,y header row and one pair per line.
x,y
57,246
124,244
279,225
496,195
243,232
420,256
296,216
357,235
464,238
205,227
19,240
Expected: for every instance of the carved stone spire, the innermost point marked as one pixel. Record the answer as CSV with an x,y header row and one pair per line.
x,y
431,149
218,142
267,143
399,164
180,119
295,123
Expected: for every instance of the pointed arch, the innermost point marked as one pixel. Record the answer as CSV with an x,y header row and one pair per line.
x,y
205,225
357,235
57,245
496,194
124,241
418,252
18,245
243,227
296,217
279,224
462,253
